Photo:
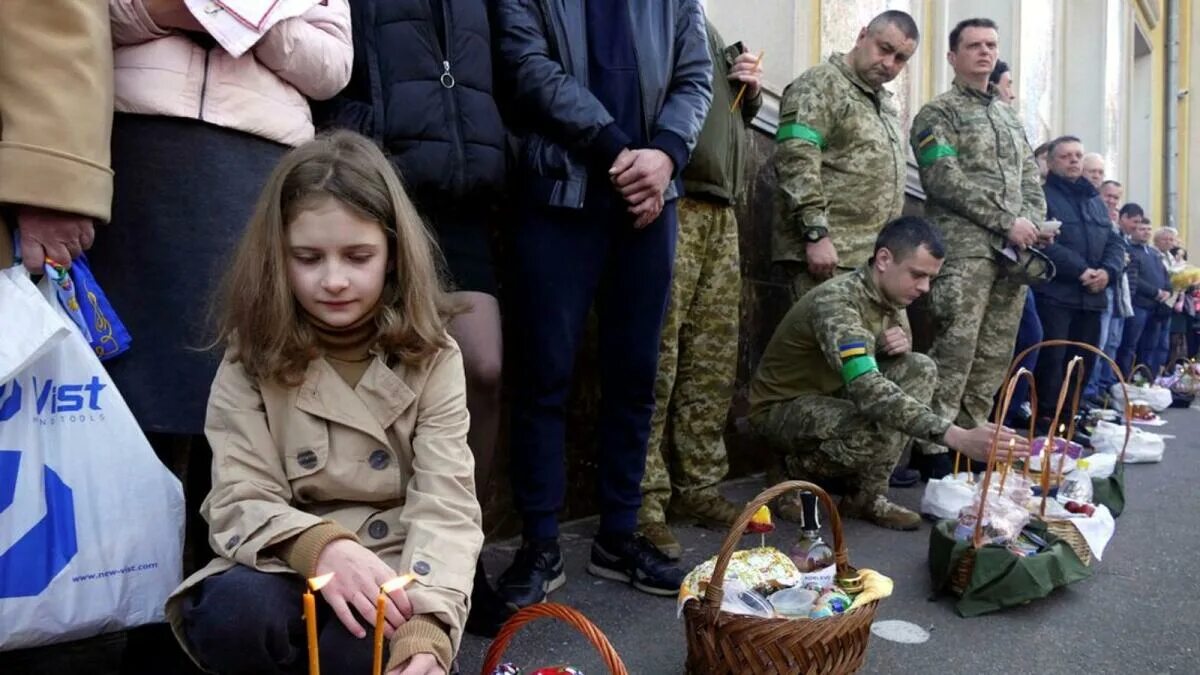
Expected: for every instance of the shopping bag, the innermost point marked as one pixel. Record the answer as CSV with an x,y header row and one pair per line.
x,y
91,523
1144,447
29,326
1158,398
945,497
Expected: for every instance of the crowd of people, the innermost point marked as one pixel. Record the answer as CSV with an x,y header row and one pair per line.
x,y
334,193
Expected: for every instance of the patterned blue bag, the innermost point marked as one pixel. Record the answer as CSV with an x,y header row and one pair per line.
x,y
88,307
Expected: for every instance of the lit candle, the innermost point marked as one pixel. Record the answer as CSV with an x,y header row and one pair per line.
x,y
310,621
380,604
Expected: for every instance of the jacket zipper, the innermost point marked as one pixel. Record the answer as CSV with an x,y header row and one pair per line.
x,y
204,84
448,82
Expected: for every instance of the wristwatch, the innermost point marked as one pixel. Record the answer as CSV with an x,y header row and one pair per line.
x,y
815,233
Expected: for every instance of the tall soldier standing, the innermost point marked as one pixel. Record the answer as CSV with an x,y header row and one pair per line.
x,y
983,191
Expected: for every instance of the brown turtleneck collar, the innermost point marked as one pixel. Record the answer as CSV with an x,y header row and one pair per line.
x,y
347,348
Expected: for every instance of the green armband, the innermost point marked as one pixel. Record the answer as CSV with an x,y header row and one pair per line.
x,y
857,367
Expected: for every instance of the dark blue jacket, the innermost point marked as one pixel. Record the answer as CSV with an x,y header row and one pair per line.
x,y
1087,241
565,131
1152,278
422,88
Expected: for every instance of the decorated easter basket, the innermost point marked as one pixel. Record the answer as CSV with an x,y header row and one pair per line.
x,y
722,643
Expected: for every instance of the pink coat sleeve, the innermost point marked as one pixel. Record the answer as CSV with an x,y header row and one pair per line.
x,y
131,23
312,52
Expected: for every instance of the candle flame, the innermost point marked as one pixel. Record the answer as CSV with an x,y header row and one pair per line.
x,y
316,583
397,583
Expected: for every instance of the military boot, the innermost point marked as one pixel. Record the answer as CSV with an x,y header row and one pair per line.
x,y
878,510
706,508
663,539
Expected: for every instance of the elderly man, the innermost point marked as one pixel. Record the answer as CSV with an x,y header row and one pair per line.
x,y
1151,298
1093,169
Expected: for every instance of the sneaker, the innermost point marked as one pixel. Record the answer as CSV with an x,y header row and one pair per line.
x,y
536,571
488,610
707,508
663,539
636,561
903,477
878,510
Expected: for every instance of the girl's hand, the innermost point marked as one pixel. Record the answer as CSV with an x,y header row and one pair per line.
x,y
419,664
357,575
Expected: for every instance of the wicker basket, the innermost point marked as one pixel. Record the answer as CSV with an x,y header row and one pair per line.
x,y
1063,528
563,613
720,643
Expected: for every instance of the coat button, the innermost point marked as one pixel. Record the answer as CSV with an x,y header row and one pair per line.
x,y
307,459
421,568
377,529
233,541
380,459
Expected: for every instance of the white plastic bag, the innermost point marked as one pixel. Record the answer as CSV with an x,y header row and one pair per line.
x,y
1158,398
29,327
945,497
1144,446
91,523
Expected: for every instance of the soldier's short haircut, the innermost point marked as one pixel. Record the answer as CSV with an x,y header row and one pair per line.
x,y
1132,210
998,72
1060,141
1110,181
904,235
901,20
969,23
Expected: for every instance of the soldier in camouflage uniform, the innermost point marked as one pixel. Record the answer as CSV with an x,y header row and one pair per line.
x,y
983,191
697,359
839,389
840,159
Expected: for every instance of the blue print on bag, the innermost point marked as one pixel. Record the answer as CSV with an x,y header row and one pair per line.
x,y
34,560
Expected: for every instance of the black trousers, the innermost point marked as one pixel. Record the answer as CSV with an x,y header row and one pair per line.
x,y
1060,323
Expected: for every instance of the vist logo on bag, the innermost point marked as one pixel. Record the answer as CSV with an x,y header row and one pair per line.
x,y
52,399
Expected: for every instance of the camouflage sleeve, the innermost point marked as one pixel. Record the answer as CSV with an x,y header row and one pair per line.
x,y
935,145
849,347
1033,199
805,121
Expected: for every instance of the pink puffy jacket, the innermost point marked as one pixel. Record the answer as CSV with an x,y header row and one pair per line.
x,y
164,72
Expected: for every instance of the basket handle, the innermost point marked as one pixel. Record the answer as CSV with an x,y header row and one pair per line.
x,y
1010,386
1142,366
564,613
1113,364
1074,367
716,591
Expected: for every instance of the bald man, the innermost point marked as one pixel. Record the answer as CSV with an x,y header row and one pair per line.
x,y
1093,169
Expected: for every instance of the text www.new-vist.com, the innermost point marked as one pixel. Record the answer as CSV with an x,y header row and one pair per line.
x,y
112,573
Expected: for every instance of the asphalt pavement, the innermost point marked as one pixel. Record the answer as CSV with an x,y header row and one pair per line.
x,y
1138,614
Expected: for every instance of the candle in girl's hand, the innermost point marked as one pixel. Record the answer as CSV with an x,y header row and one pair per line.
x,y
380,605
310,621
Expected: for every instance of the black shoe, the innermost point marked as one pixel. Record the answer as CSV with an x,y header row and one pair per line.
x,y
902,477
488,609
536,571
932,467
634,560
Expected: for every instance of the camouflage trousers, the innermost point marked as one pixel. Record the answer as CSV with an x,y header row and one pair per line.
x,y
823,437
976,313
697,359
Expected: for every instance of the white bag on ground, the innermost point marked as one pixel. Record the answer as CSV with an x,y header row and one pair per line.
x,y
1158,398
1144,446
945,497
91,523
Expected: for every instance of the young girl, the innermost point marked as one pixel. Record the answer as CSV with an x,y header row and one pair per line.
x,y
338,424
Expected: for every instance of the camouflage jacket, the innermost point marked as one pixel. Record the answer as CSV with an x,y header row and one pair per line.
x,y
840,162
826,345
977,170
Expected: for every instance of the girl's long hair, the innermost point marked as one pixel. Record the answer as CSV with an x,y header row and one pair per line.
x,y
259,319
